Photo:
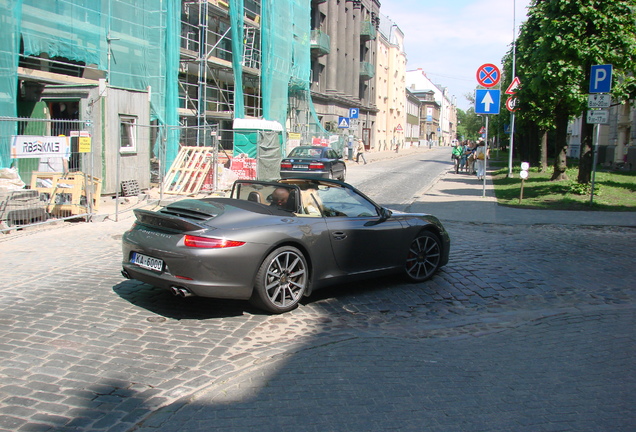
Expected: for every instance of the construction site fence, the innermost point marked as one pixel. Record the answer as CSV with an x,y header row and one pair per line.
x,y
51,176
58,170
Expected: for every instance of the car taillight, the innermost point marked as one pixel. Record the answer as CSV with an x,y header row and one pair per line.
x,y
316,166
285,165
134,225
210,243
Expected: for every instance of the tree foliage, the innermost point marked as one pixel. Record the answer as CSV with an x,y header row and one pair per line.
x,y
556,47
468,125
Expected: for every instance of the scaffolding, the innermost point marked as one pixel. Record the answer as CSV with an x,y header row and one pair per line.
x,y
203,63
207,90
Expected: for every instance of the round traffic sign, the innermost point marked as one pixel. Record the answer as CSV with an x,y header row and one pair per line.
x,y
488,75
511,104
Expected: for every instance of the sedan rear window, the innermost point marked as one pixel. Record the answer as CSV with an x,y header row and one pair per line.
x,y
304,152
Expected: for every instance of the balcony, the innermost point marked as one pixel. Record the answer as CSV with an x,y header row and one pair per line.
x,y
367,31
367,71
320,43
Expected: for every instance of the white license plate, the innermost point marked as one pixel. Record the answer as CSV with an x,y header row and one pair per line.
x,y
299,166
147,262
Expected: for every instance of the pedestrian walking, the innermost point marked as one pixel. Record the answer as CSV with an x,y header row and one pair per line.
x,y
470,157
463,159
360,150
456,156
480,160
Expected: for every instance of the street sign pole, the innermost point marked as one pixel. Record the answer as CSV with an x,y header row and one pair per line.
x,y
512,143
597,131
600,82
483,194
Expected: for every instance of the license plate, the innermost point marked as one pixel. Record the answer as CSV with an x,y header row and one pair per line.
x,y
147,262
299,166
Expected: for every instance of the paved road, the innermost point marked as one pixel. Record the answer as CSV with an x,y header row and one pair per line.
x,y
394,181
528,328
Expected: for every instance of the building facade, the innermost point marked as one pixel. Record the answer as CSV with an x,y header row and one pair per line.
x,y
446,130
391,86
413,117
343,64
147,79
617,139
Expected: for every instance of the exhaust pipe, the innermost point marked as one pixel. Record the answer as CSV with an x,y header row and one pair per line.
x,y
180,291
125,274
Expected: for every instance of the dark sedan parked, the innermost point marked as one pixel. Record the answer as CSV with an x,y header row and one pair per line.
x,y
275,242
314,161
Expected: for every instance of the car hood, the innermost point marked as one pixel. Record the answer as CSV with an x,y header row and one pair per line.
x,y
425,216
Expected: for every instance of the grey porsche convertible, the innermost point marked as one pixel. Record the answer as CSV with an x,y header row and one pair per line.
x,y
274,242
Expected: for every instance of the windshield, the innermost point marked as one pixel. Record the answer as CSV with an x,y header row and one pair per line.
x,y
305,152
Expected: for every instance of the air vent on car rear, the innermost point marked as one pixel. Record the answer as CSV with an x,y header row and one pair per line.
x,y
193,209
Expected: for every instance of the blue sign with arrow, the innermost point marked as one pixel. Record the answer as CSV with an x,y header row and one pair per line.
x,y
487,101
343,122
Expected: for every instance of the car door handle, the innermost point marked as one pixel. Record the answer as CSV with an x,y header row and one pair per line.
x,y
339,235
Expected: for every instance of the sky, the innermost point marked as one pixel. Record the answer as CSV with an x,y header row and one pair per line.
x,y
450,39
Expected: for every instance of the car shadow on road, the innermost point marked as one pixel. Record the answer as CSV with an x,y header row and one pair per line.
x,y
163,303
344,291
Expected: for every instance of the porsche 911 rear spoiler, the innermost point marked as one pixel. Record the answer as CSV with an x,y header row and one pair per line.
x,y
166,222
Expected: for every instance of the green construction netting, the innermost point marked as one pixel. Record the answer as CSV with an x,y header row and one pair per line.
x,y
142,37
9,46
286,65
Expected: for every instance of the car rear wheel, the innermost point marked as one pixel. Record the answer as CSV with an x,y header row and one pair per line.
x,y
281,280
424,257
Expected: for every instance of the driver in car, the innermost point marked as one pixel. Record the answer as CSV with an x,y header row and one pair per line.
x,y
280,197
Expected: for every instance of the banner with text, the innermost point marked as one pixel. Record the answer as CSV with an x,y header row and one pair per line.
x,y
29,146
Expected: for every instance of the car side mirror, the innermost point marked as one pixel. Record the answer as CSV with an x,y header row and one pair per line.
x,y
385,214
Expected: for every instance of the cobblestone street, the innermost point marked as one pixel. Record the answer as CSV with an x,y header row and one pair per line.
x,y
527,328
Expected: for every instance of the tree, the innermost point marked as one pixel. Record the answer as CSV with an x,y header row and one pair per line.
x,y
556,47
469,124
610,33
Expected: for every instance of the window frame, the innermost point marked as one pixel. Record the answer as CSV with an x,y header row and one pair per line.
x,y
128,124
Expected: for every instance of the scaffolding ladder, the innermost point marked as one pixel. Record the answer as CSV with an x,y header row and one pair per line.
x,y
248,49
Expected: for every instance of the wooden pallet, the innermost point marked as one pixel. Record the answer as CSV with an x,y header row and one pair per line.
x,y
66,192
188,171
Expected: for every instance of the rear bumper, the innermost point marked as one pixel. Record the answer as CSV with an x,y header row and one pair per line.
x,y
293,174
220,289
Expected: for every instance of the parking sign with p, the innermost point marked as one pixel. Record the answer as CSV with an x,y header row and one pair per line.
x,y
601,79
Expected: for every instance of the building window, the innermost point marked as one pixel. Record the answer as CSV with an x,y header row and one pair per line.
x,y
127,134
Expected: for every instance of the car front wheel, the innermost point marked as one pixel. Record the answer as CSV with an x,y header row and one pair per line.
x,y
281,280
424,257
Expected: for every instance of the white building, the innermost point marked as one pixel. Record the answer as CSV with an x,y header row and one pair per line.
x,y
417,81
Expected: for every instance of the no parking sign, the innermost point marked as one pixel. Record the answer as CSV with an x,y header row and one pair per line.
x,y
488,75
